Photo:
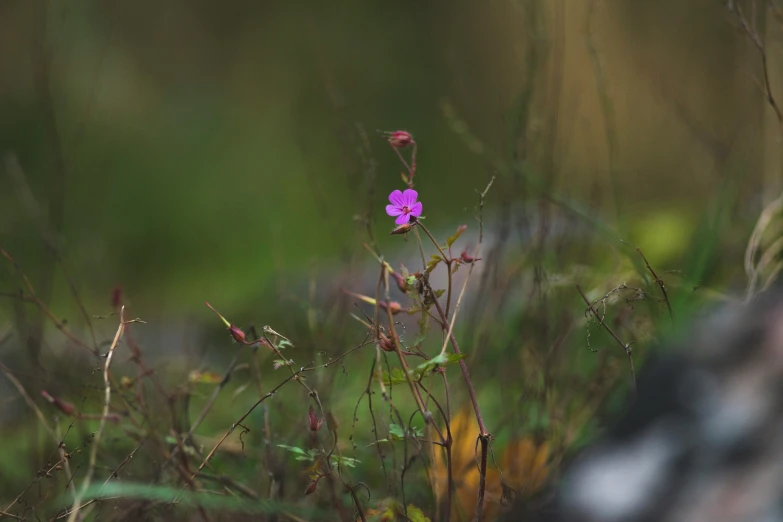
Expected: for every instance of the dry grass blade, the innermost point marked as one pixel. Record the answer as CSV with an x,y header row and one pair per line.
x,y
107,399
754,269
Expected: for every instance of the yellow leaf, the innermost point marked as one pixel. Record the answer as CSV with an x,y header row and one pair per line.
x,y
524,463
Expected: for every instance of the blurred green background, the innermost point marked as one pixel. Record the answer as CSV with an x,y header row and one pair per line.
x,y
201,149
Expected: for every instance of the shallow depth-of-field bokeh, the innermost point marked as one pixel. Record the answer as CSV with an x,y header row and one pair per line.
x,y
610,160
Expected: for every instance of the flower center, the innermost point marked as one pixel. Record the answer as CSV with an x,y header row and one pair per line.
x,y
406,210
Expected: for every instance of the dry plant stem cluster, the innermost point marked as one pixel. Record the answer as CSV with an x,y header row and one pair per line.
x,y
749,27
447,326
331,467
625,346
32,297
107,401
239,421
638,295
176,456
63,457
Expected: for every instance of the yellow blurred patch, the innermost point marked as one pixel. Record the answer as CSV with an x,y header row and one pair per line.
x,y
204,377
524,464
663,236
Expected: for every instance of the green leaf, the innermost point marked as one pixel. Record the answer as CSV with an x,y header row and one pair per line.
x,y
440,292
222,504
416,515
395,430
439,360
294,449
348,461
420,339
460,229
279,363
422,370
433,262
397,377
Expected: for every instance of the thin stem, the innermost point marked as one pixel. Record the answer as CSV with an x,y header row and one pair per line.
x,y
626,346
33,296
659,282
462,365
434,242
406,369
106,402
449,464
248,412
357,504
446,259
484,439
483,434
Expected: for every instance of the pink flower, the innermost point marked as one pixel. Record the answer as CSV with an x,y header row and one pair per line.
x,y
404,205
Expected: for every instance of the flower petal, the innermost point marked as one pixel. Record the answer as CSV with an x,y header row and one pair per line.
x,y
393,210
409,197
396,198
404,218
416,209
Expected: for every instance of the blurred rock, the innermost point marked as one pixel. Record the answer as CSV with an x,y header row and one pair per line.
x,y
704,440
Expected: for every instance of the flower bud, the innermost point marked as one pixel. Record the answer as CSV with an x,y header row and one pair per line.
x,y
467,258
401,284
399,139
386,344
393,306
311,488
313,421
237,334
402,229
